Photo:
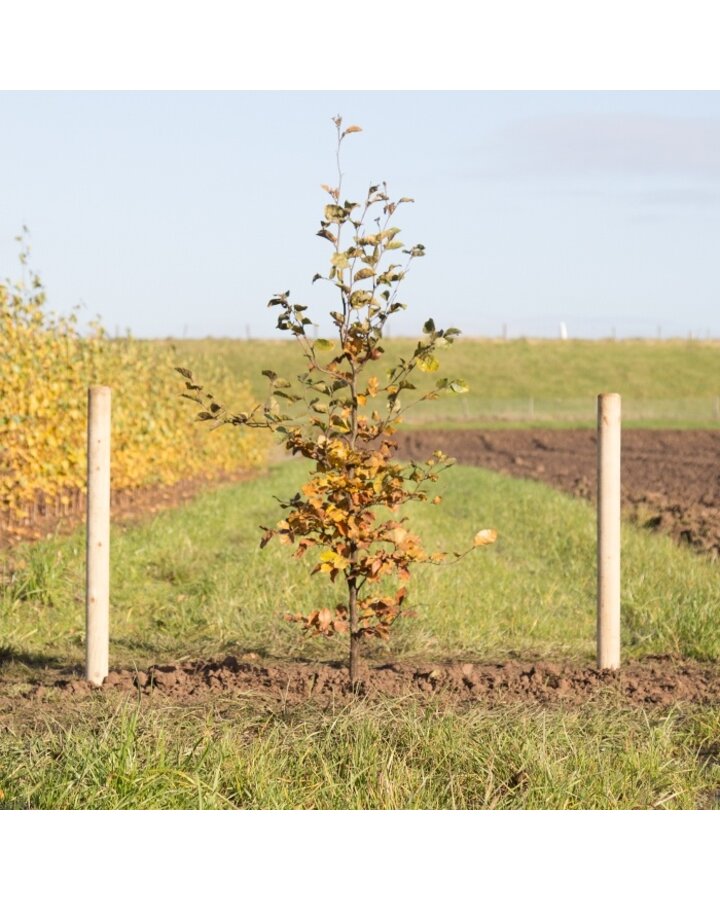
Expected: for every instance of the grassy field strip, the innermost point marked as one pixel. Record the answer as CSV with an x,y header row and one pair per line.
x,y
664,383
390,755
192,582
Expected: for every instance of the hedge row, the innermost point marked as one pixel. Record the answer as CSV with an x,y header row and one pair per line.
x,y
46,366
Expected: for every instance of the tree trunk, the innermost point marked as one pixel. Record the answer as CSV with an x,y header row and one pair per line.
x,y
355,634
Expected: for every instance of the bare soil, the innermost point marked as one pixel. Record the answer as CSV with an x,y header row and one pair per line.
x,y
651,682
670,479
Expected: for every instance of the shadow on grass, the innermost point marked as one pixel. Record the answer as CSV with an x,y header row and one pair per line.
x,y
11,656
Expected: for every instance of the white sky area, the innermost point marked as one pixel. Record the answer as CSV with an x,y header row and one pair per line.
x,y
181,213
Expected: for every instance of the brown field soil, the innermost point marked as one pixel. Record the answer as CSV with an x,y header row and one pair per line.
x,y
652,682
670,479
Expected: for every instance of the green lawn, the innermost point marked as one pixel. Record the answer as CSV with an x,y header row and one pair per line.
x,y
663,383
193,582
392,755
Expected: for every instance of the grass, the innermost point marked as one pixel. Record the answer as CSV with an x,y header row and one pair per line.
x,y
193,582
554,383
391,755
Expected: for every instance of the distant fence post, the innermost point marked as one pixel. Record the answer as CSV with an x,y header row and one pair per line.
x,y
97,593
608,531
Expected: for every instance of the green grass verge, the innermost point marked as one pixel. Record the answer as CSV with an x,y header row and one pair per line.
x,y
520,382
193,582
391,755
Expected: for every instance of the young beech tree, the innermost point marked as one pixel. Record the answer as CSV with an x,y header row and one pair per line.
x,y
352,402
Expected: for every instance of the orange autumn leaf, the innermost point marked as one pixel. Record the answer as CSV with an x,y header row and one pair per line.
x,y
485,536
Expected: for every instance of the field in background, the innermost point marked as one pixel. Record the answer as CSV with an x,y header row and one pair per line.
x,y
670,383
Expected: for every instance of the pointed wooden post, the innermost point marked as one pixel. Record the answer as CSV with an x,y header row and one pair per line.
x,y
608,531
97,593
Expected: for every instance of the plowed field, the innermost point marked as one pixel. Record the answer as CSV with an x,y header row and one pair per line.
x,y
670,479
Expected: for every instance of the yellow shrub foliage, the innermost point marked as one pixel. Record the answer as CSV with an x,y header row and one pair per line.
x,y
46,367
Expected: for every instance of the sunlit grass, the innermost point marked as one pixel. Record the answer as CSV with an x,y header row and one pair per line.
x,y
522,382
389,755
194,581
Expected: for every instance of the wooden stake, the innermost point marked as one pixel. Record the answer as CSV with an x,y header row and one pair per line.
x,y
97,594
608,531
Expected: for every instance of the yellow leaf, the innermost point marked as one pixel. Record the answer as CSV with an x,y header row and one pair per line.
x,y
398,535
485,536
428,364
333,559
335,213
339,260
359,299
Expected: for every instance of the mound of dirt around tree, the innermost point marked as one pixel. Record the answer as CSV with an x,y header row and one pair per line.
x,y
654,681
670,479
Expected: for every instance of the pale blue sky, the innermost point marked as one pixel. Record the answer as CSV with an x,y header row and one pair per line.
x,y
182,213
